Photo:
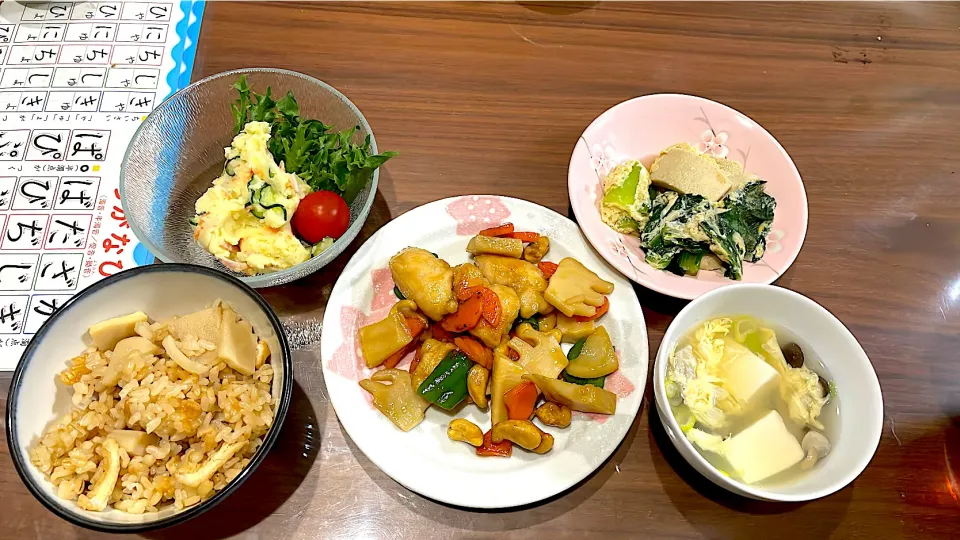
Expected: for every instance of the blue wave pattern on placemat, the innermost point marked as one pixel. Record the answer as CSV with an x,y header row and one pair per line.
x,y
194,17
142,255
183,53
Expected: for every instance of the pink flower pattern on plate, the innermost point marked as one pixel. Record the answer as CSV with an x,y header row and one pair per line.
x,y
382,289
713,143
619,385
773,241
474,213
348,359
603,160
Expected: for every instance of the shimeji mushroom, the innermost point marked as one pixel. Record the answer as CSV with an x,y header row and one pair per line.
x,y
816,446
96,499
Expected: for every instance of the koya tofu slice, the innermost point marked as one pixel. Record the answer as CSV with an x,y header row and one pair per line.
x,y
683,169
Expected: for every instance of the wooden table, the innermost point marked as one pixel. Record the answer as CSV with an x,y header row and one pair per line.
x,y
490,98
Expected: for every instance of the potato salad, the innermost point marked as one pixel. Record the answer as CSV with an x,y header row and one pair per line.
x,y
286,188
243,219
489,331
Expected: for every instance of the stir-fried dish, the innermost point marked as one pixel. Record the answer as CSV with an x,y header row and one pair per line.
x,y
164,413
285,189
489,332
691,211
751,407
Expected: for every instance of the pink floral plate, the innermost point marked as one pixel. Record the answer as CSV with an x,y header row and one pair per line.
x,y
639,129
424,459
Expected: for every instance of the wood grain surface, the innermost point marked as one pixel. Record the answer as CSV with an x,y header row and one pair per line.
x,y
491,97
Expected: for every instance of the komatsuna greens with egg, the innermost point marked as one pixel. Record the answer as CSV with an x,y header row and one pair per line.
x,y
286,188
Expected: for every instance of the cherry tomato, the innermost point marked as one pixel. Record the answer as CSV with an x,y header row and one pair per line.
x,y
321,214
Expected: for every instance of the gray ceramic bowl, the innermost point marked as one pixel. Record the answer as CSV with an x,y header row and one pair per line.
x,y
178,151
37,399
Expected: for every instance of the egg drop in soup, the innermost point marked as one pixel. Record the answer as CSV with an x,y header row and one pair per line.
x,y
757,406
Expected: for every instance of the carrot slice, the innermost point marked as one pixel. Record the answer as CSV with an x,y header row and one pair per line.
x,y
491,307
475,351
466,293
520,400
490,448
466,317
502,230
414,325
597,314
440,333
514,355
525,237
416,358
465,288
395,358
548,268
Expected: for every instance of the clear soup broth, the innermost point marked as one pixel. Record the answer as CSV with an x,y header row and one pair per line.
x,y
744,329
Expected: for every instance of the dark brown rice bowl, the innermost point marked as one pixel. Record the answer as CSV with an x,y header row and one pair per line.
x,y
32,407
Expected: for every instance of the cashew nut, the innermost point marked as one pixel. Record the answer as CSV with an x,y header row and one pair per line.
x,y
466,431
477,385
553,414
99,494
546,443
535,251
521,432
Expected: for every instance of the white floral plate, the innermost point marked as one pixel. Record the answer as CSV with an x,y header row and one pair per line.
x,y
424,459
639,129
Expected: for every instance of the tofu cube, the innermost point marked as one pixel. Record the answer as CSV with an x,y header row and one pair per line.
x,y
763,449
745,375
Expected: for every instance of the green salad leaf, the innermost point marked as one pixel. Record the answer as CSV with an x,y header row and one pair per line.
x,y
324,159
241,108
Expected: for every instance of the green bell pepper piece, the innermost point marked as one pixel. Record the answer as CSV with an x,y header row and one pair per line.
x,y
533,321
446,386
625,194
574,351
572,355
596,381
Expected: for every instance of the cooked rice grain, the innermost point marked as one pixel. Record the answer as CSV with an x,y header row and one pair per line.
x,y
191,415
